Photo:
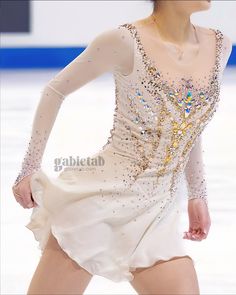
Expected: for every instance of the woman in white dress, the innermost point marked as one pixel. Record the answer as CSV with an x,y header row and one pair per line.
x,y
121,221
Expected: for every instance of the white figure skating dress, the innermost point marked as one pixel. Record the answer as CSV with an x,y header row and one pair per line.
x,y
125,214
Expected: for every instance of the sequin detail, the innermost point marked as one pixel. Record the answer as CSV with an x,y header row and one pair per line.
x,y
183,107
37,142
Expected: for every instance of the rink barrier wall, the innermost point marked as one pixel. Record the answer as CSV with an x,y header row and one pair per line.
x,y
51,57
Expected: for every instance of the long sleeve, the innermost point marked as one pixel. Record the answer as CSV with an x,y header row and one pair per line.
x,y
194,170
109,51
195,173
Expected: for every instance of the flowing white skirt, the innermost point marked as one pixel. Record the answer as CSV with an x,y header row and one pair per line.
x,y
107,227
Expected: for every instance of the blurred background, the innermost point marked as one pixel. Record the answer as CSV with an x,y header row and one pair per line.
x,y
39,38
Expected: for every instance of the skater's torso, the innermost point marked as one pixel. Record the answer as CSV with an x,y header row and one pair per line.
x,y
156,122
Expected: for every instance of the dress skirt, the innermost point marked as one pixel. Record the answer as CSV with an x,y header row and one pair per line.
x,y
107,224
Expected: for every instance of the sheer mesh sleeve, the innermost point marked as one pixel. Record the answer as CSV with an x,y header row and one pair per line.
x,y
194,170
110,50
195,173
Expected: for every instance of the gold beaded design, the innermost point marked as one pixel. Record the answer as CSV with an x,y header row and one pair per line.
x,y
187,109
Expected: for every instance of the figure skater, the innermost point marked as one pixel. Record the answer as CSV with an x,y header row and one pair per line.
x,y
121,220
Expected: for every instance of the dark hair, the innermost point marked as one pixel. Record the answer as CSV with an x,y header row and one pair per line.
x,y
154,3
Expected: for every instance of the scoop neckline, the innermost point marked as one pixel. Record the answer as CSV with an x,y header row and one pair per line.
x,y
154,69
178,64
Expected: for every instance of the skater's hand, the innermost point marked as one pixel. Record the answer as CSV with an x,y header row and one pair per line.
x,y
22,193
199,220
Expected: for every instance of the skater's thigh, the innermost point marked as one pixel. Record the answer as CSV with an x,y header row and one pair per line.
x,y
174,276
57,273
55,254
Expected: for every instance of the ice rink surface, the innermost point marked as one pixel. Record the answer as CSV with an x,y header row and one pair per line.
x,y
81,128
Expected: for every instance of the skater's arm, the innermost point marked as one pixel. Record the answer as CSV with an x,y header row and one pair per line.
x,y
195,173
198,213
108,51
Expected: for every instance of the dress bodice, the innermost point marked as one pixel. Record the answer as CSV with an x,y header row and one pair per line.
x,y
162,121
